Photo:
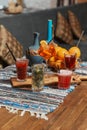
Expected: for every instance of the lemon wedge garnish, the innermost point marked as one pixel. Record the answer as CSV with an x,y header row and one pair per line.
x,y
43,43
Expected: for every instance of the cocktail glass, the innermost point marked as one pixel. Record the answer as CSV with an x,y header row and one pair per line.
x,y
21,66
37,77
64,79
70,61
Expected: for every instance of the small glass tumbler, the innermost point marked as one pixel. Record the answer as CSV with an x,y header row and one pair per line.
x,y
70,61
64,79
37,77
21,67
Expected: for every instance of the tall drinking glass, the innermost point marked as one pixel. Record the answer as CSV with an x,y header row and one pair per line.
x,y
21,66
37,77
70,61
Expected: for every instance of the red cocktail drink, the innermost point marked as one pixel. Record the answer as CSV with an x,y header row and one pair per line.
x,y
64,79
70,61
21,66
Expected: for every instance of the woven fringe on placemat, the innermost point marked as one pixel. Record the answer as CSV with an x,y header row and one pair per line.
x,y
38,104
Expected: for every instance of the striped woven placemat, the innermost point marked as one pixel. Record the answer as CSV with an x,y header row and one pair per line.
x,y
38,104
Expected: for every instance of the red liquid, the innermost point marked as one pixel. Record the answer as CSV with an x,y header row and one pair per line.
x,y
70,61
21,66
64,81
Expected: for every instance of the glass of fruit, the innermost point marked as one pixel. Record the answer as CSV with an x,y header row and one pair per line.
x,y
37,77
46,51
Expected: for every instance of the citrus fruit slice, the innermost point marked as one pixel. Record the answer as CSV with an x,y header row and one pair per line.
x,y
43,43
75,50
61,53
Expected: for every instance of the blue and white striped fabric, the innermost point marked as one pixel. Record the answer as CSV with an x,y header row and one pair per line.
x,y
39,104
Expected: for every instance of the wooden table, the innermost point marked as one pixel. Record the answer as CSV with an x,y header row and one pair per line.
x,y
70,115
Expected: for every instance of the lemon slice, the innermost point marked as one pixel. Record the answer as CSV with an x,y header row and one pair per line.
x,y
43,43
75,50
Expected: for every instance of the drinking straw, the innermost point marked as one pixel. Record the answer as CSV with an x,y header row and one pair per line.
x,y
11,52
80,38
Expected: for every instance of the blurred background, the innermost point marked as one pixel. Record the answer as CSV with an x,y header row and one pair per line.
x,y
42,4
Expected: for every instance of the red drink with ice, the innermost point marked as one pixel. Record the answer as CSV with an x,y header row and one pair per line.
x,y
70,61
21,66
64,79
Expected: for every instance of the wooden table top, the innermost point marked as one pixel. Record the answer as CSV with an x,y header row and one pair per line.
x,y
70,115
